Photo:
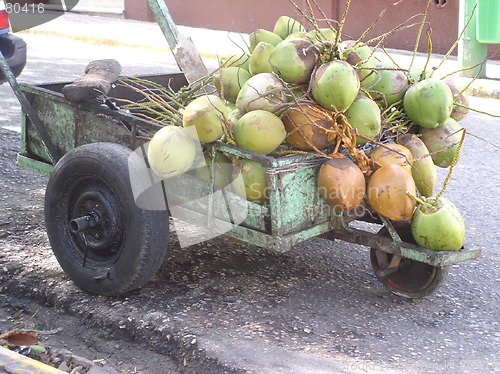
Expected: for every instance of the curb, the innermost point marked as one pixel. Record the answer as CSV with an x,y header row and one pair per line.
x,y
180,345
15,363
484,93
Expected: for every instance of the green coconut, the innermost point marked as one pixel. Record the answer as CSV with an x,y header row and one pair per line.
x,y
418,74
321,35
223,170
423,171
429,102
361,57
439,227
335,85
438,139
286,25
389,86
298,35
229,81
259,60
206,114
230,106
293,60
460,102
263,91
254,180
259,131
364,116
262,35
239,60
234,114
171,152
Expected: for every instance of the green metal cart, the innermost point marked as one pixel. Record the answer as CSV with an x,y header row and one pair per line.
x,y
108,245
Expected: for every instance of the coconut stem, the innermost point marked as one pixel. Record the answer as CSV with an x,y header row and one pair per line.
x,y
429,52
372,26
478,111
419,34
342,22
484,140
421,201
466,69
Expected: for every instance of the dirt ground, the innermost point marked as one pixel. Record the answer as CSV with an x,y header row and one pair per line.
x,y
22,235
71,343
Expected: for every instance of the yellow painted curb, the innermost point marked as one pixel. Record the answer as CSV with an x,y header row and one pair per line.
x,y
14,363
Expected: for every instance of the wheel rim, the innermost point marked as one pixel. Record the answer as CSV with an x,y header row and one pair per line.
x,y
412,277
95,221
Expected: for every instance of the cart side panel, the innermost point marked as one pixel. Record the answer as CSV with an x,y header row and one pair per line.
x,y
190,192
293,200
59,120
70,127
295,203
94,127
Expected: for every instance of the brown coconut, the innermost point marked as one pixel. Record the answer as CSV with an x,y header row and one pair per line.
x,y
304,125
341,183
458,112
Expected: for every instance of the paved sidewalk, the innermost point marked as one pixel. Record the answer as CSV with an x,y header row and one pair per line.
x,y
211,43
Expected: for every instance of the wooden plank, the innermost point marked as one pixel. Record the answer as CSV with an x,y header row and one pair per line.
x,y
185,53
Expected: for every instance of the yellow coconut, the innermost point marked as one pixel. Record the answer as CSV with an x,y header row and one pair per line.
x,y
171,152
393,154
387,192
206,114
341,183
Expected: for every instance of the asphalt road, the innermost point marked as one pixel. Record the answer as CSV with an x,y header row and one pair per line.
x,y
318,308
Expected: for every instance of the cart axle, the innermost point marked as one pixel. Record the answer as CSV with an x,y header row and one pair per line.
x,y
82,223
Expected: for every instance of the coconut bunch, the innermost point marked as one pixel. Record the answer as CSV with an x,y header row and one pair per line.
x,y
409,119
382,129
301,84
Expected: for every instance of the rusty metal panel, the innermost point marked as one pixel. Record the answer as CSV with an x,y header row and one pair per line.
x,y
407,250
295,203
59,120
93,127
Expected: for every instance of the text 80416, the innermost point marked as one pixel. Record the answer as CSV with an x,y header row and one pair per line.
x,y
26,8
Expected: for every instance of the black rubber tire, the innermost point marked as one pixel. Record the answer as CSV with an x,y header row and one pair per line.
x,y
413,279
128,246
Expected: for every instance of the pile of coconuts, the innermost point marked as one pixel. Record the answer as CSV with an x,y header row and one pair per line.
x,y
382,129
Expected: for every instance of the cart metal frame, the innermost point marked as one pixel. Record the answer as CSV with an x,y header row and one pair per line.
x,y
51,126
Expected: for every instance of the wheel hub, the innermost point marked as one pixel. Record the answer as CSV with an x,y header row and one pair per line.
x,y
96,222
